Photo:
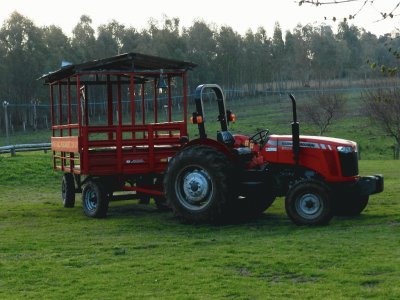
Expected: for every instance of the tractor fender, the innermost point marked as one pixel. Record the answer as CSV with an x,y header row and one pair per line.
x,y
212,144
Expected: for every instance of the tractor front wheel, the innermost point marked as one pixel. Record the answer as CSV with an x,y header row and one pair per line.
x,y
94,199
308,202
198,184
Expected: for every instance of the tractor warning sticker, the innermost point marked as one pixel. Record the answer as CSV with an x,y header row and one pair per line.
x,y
287,145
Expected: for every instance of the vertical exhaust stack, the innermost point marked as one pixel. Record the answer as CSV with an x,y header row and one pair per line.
x,y
295,132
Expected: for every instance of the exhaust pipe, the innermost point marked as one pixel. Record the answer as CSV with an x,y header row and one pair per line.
x,y
295,132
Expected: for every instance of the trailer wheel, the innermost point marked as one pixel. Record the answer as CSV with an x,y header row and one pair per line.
x,y
351,206
94,200
308,202
68,190
198,184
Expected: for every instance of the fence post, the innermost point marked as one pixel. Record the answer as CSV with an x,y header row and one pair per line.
x,y
5,104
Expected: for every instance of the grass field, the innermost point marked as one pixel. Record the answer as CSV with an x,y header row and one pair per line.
x,y
50,252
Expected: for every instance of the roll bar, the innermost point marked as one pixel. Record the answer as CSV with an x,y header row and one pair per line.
x,y
198,98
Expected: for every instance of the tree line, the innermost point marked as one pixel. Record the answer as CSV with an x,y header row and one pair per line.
x,y
253,61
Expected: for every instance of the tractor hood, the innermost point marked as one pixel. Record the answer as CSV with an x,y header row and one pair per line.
x,y
313,142
333,159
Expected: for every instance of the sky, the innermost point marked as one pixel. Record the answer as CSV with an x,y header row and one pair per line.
x,y
240,15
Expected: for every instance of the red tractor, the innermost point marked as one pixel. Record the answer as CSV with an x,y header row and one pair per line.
x,y
203,180
240,176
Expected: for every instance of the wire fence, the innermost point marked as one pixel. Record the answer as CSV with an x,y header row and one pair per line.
x,y
15,118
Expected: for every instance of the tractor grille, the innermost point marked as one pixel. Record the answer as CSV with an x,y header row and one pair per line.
x,y
349,163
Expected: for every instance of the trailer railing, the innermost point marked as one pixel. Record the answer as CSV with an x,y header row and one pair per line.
x,y
13,149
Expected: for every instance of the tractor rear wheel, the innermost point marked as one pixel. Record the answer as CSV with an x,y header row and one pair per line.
x,y
308,202
94,199
199,185
351,205
68,190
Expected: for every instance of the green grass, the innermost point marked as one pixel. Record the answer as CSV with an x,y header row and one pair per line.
x,y
50,252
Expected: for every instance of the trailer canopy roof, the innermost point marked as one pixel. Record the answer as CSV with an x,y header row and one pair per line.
x,y
129,62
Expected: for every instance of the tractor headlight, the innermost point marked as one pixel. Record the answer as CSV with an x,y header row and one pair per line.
x,y
345,149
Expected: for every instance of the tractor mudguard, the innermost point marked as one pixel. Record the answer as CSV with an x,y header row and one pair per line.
x,y
210,143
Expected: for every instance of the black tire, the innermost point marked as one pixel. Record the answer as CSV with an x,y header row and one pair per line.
x,y
94,199
197,185
308,202
68,190
350,205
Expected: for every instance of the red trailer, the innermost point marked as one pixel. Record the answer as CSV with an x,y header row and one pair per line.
x,y
127,149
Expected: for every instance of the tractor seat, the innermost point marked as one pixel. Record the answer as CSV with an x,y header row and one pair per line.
x,y
226,138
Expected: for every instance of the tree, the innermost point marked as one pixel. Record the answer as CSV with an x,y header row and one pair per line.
x,y
383,108
22,55
57,48
323,109
350,35
130,40
297,52
229,54
328,56
167,41
278,53
110,38
256,49
83,40
201,49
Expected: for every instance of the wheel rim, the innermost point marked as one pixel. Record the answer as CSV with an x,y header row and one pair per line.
x,y
90,199
309,206
194,188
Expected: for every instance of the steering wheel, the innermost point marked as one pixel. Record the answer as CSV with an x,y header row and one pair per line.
x,y
260,137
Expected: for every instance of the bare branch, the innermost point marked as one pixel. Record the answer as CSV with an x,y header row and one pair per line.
x,y
383,108
323,109
321,2
384,15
